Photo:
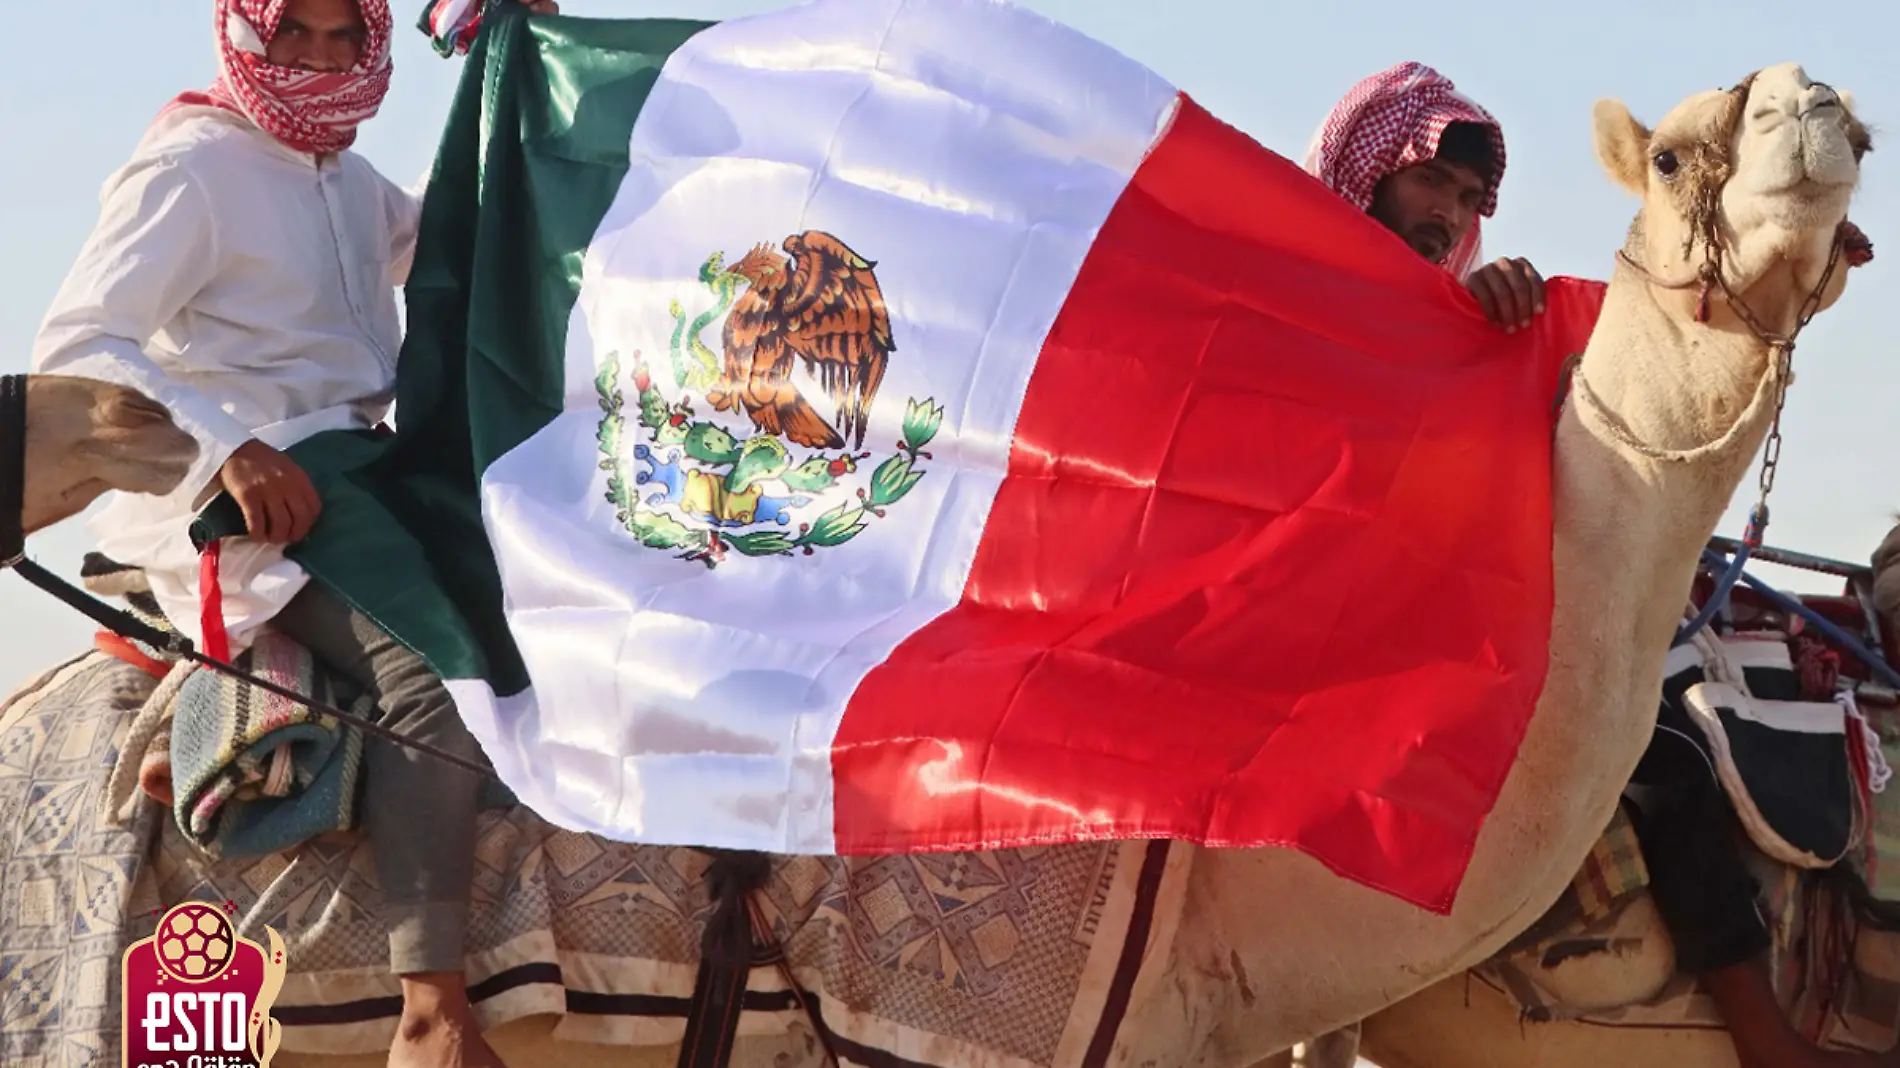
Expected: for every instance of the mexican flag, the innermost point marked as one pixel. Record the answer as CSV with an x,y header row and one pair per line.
x,y
903,425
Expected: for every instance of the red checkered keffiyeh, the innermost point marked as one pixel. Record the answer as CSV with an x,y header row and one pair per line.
x,y
310,111
1390,121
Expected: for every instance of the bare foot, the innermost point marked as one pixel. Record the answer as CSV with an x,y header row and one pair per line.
x,y
438,1027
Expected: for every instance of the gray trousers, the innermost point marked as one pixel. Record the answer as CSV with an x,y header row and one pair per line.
x,y
418,811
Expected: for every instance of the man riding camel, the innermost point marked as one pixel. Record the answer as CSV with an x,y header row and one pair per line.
x,y
243,273
1404,146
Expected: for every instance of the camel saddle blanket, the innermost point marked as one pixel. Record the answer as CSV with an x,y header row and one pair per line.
x,y
254,773
1007,959
1793,761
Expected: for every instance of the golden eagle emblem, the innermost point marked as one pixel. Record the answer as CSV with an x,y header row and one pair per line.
x,y
818,302
706,483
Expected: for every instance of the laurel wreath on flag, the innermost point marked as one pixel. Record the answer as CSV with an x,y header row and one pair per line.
x,y
890,483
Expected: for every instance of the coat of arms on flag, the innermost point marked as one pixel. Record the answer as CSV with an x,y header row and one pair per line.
x,y
725,451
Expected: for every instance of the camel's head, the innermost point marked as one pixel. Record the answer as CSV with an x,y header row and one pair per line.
x,y
85,437
1759,175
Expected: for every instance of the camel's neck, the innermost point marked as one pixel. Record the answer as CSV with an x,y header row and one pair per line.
x,y
1629,524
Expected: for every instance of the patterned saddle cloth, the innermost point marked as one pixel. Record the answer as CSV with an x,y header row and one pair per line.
x,y
1023,958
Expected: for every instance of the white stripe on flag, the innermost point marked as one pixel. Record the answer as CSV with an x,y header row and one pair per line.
x,y
450,16
972,150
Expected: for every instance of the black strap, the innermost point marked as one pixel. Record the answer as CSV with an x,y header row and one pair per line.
x,y
728,951
12,469
129,626
120,622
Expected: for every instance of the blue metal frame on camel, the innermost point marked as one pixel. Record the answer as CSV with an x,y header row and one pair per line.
x,y
1728,572
1725,581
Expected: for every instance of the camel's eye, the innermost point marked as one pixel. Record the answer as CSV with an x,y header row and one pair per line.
x,y
1667,164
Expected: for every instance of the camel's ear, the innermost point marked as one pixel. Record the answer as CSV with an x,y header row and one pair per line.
x,y
1622,145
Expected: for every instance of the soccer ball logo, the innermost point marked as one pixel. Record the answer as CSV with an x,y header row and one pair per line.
x,y
194,943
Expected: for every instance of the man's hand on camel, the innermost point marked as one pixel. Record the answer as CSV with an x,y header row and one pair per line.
x,y
1509,291
280,505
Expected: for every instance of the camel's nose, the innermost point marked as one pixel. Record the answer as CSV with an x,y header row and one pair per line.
x,y
1779,92
133,409
1789,95
1815,97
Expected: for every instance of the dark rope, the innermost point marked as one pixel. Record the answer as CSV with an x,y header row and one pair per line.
x,y
1879,913
728,950
731,881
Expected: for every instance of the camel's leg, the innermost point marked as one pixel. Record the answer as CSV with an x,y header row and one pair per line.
x,y
1335,1049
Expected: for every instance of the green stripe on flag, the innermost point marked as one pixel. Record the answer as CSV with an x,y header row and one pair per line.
x,y
533,153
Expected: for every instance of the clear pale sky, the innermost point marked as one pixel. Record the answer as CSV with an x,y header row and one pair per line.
x,y
81,81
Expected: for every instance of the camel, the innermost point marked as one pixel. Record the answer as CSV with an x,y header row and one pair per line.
x,y
1665,414
1663,418
85,437
1887,577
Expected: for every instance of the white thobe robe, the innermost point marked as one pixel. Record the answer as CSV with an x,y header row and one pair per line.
x,y
250,288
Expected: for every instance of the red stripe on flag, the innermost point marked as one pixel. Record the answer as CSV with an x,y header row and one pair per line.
x,y
1272,562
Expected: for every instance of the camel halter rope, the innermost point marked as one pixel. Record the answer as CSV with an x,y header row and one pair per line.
x,y
125,624
1774,381
1774,384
